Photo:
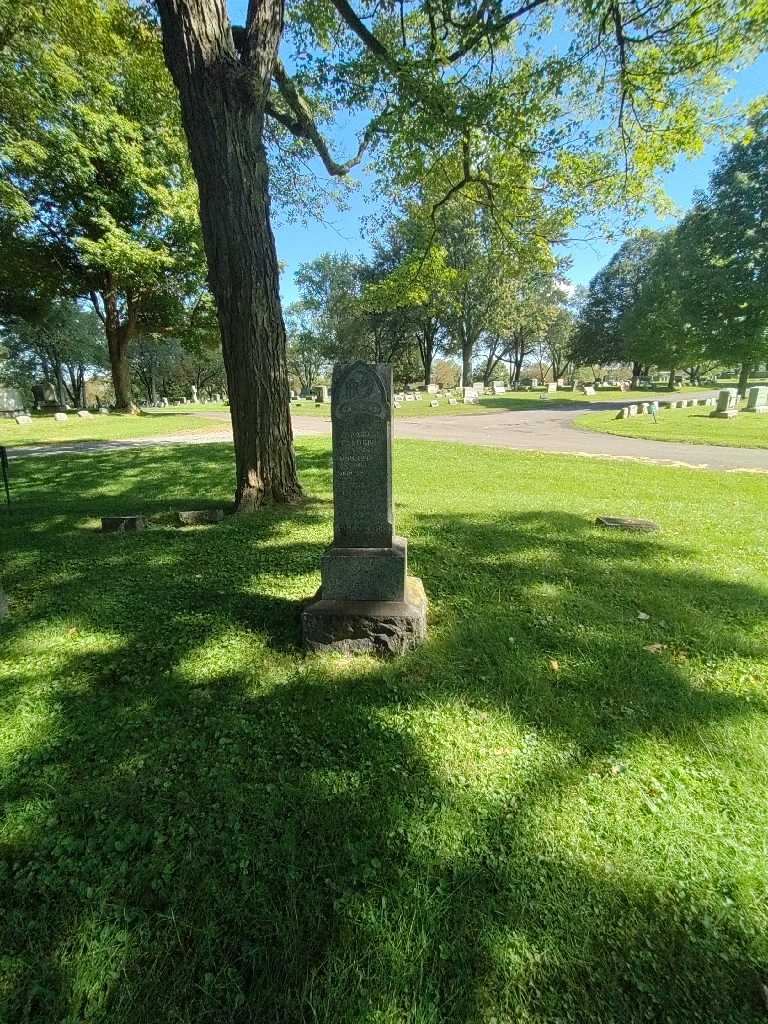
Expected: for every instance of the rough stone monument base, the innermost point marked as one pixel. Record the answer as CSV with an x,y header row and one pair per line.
x,y
725,414
374,627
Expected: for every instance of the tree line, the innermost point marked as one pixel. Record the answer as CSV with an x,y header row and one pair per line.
x,y
695,296
433,292
144,149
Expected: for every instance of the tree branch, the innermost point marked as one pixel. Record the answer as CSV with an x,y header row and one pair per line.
x,y
302,124
368,38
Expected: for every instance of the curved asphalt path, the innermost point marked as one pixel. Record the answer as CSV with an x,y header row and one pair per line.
x,y
549,428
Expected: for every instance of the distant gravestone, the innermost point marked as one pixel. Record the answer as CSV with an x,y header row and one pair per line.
x,y
499,388
434,404
193,391
469,395
631,410
104,411
432,389
479,389
727,404
551,388
757,400
23,419
589,390
321,394
367,601
60,417
83,414
11,401
453,401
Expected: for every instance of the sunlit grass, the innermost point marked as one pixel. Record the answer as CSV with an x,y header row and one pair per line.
x,y
693,425
533,818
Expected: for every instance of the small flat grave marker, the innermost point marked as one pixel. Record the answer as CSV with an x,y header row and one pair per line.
x,y
121,524
627,523
198,517
60,417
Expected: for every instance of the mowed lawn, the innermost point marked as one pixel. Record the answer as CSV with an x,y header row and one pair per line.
x,y
554,811
694,425
114,427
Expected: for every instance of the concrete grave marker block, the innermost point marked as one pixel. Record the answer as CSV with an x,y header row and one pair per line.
x,y
199,517
60,417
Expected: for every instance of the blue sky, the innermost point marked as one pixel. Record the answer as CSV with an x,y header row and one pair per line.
x,y
332,230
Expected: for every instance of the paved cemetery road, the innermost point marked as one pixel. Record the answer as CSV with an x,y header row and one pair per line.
x,y
546,429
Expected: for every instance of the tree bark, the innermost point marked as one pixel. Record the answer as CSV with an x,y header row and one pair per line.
x,y
671,384
467,350
637,369
746,369
222,105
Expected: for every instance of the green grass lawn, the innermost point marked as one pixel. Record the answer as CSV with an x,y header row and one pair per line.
x,y
534,818
694,425
116,426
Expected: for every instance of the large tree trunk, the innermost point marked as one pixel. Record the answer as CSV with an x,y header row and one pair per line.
x,y
222,107
637,369
746,369
671,383
117,344
467,350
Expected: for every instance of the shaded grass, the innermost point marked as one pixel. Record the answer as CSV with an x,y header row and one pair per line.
x,y
693,425
203,825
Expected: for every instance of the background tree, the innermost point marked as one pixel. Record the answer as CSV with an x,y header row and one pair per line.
x,y
98,191
600,336
641,83
59,346
411,286
724,264
306,358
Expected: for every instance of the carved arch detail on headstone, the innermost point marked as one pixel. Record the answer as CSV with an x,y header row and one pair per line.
x,y
359,391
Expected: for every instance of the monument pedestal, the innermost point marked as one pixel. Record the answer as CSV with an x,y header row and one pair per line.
x,y
373,627
367,602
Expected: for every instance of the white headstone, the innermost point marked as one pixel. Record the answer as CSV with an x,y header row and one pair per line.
x,y
60,417
757,399
23,419
83,414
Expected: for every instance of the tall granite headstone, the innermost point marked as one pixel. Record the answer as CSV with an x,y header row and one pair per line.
x,y
367,601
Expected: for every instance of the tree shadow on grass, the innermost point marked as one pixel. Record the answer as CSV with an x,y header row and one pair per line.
x,y
267,837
